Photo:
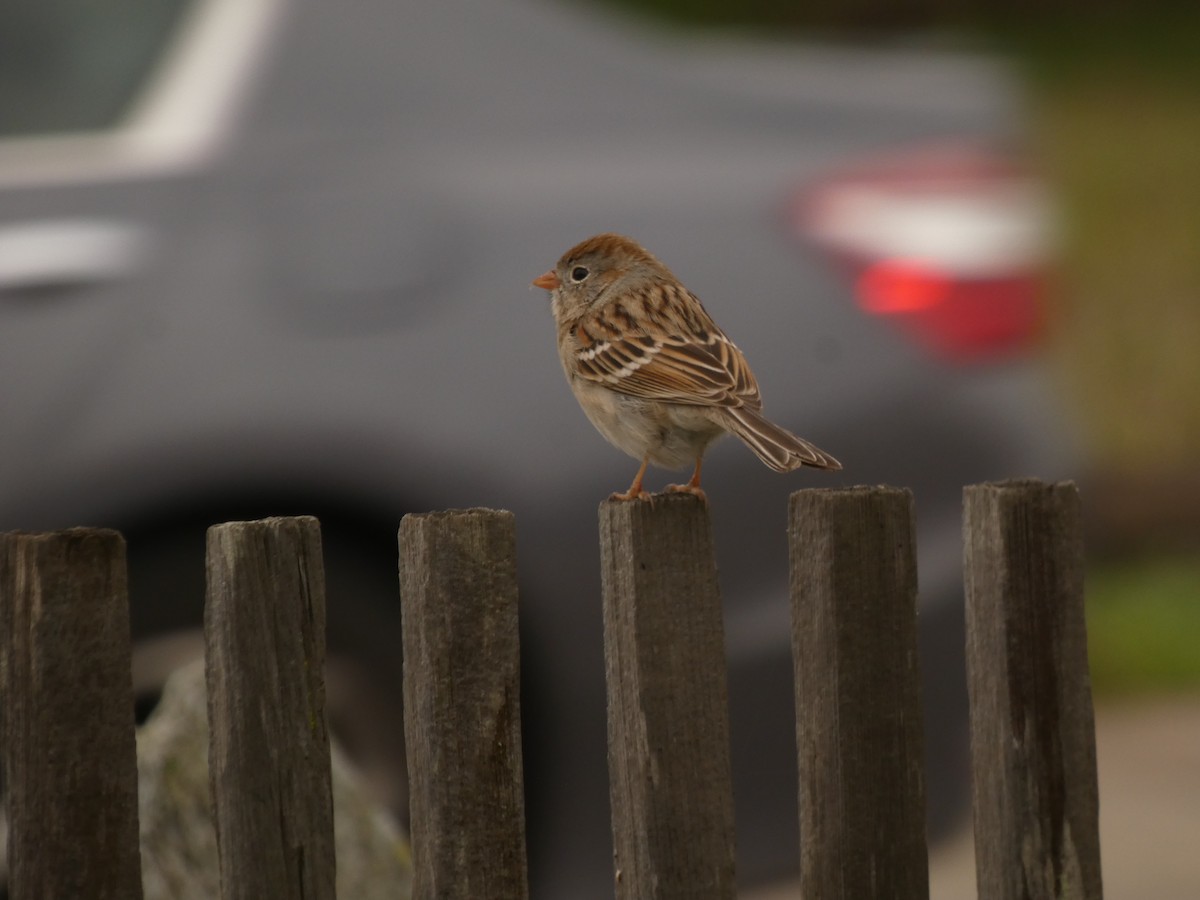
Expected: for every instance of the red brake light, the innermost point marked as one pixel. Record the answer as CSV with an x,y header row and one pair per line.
x,y
949,241
893,286
958,319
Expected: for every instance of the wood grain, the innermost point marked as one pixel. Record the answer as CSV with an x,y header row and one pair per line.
x,y
668,718
70,763
858,710
1033,735
458,590
269,767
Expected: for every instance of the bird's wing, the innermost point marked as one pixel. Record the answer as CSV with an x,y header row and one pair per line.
x,y
663,346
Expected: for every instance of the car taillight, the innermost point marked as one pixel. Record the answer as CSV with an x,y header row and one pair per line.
x,y
949,242
963,319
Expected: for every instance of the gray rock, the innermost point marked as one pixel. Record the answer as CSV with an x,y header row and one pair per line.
x,y
178,842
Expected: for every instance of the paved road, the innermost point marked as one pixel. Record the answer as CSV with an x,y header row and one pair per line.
x,y
1149,757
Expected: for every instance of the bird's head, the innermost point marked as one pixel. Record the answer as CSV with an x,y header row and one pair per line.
x,y
596,271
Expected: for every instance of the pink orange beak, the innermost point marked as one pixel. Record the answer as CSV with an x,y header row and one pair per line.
x,y
549,281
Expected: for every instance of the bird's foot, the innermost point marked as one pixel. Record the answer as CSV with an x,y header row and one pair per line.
x,y
632,494
694,489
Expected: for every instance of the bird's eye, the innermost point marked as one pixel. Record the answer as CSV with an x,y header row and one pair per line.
x,y
579,273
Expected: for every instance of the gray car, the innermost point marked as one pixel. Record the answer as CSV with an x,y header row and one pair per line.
x,y
265,257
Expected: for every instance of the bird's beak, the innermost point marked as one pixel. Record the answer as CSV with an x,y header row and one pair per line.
x,y
549,281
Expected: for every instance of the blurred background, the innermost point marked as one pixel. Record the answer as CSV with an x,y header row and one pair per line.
x,y
262,257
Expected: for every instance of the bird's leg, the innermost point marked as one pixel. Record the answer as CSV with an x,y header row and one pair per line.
x,y
693,485
635,490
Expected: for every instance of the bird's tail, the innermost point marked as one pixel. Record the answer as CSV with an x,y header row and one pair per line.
x,y
778,448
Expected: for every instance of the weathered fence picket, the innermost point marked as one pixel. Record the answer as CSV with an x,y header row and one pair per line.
x,y
269,767
858,710
68,748
458,591
1032,732
668,720
69,756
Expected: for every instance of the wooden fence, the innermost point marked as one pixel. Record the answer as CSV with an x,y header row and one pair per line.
x,y
68,734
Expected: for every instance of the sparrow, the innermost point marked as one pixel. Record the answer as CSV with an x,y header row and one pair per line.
x,y
651,369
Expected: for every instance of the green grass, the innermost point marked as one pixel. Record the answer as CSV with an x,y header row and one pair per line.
x,y
1144,626
1115,126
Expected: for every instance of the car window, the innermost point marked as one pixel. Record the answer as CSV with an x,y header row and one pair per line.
x,y
75,65
93,91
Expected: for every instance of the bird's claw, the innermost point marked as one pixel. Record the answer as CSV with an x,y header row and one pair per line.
x,y
693,489
632,495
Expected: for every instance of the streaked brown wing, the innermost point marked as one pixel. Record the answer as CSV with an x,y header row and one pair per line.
x,y
669,350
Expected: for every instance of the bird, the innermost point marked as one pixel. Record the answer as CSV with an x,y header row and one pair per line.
x,y
651,369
